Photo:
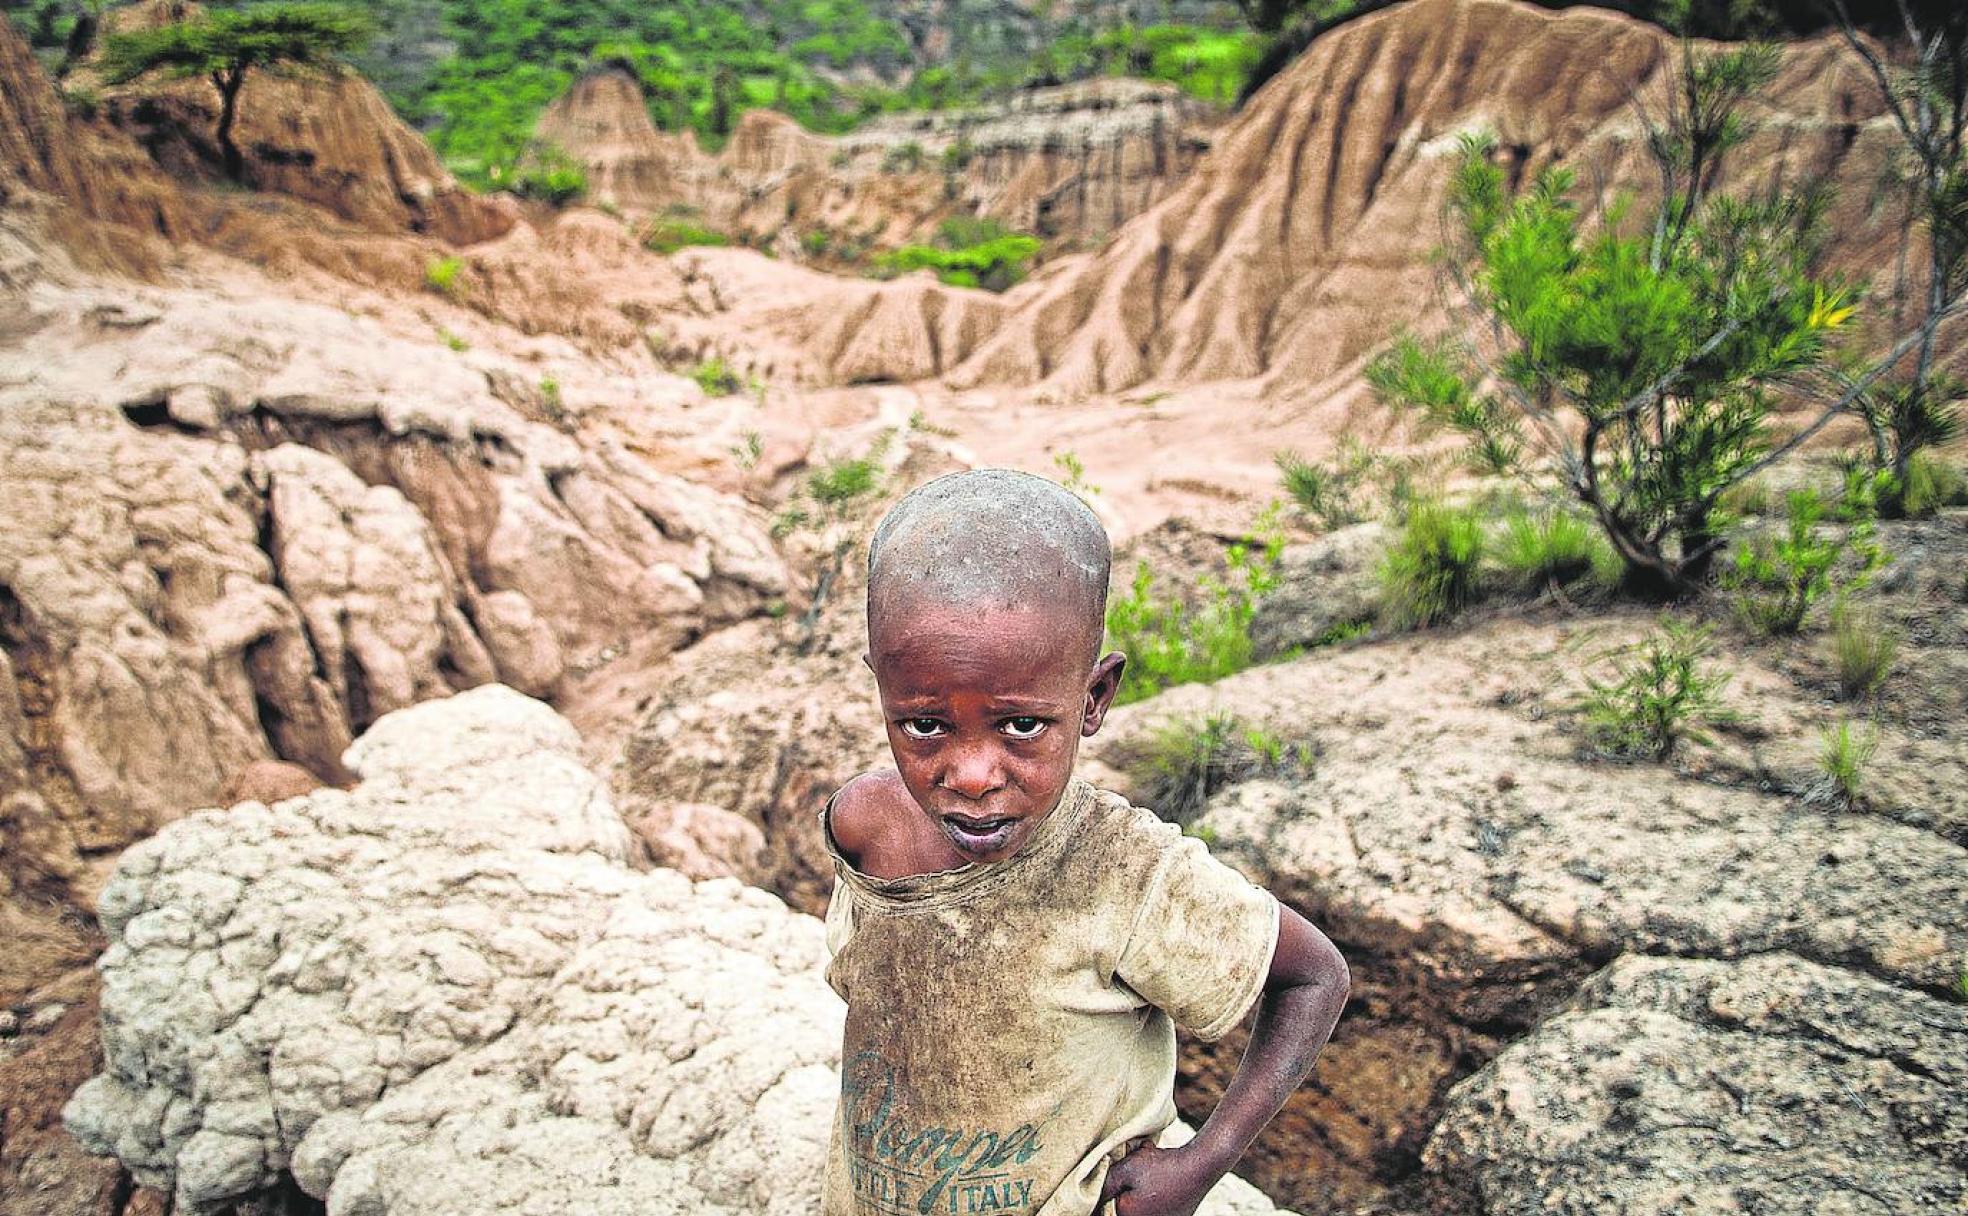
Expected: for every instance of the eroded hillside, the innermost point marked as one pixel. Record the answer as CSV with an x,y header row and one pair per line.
x,y
284,461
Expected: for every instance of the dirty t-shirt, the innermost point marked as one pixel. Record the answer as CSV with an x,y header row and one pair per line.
x,y
1009,1024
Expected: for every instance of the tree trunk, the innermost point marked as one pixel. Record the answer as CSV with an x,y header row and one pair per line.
x,y
228,82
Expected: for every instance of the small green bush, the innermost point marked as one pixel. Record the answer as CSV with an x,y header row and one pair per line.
x,y
1177,766
903,158
1429,573
441,276
669,234
549,176
1326,493
550,402
1931,485
1863,648
1661,695
453,340
1551,548
841,481
1843,757
1169,643
715,377
1775,581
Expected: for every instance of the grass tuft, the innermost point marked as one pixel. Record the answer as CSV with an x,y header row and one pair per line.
x,y
1179,765
1429,573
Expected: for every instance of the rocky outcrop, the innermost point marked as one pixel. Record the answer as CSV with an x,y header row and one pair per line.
x,y
327,138
1475,870
1070,163
1302,241
231,534
1670,1083
446,991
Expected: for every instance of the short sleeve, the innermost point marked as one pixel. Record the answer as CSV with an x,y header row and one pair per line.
x,y
840,927
1201,941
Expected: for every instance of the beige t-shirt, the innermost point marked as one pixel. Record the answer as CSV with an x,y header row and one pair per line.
x,y
1009,1024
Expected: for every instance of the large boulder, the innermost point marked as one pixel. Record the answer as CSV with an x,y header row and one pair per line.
x,y
446,991
1682,1085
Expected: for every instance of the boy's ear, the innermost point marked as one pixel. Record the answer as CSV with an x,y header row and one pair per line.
x,y
1101,689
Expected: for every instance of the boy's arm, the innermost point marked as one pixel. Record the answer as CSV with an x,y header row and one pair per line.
x,y
1303,996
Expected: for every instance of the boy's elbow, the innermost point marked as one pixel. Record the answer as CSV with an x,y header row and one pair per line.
x,y
1307,957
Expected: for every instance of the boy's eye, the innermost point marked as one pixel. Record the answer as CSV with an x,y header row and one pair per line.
x,y
1023,728
921,728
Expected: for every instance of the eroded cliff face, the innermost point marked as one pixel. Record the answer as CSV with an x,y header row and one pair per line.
x,y
327,138
232,534
1071,164
1302,241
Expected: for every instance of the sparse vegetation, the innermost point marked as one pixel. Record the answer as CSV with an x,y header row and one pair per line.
x,y
1931,484
1843,755
549,175
747,452
550,402
1176,767
1327,493
1429,571
715,377
903,158
1911,409
1662,693
1551,548
1863,648
1776,580
822,506
1075,478
225,45
670,233
1640,361
441,276
452,340
968,253
1168,642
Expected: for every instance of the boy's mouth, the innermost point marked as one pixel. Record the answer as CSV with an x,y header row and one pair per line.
x,y
978,835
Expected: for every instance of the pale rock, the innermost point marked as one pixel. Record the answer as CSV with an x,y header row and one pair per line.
x,y
476,1004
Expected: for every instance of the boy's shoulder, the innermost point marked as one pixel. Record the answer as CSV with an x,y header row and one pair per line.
x,y
857,812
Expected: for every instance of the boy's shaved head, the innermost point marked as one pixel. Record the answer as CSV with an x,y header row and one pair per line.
x,y
991,538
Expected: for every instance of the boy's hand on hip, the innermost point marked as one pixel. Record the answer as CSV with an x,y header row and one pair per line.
x,y
1152,1181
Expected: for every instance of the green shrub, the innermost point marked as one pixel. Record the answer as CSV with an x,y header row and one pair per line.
x,y
550,176
1661,695
441,276
903,158
1863,648
839,482
669,234
1169,643
1843,756
715,377
1326,493
453,340
1176,767
1429,573
1075,475
1776,580
1551,548
1931,485
995,265
550,403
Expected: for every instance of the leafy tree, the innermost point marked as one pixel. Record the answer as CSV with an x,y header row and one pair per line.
x,y
1924,79
224,46
1639,361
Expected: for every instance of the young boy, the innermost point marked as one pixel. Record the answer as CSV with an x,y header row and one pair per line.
x,y
1013,944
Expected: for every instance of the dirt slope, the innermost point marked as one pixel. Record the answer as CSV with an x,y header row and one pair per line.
x,y
1301,241
1071,163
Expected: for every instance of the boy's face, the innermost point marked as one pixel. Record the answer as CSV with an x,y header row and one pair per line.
x,y
985,709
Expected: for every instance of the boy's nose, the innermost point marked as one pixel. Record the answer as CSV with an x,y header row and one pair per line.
x,y
973,772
